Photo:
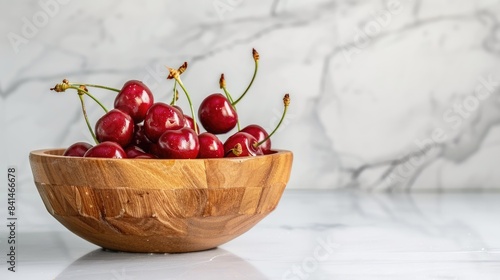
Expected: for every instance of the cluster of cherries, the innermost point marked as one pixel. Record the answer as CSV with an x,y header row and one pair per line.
x,y
138,127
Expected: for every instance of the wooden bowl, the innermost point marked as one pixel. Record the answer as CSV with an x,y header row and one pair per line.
x,y
159,205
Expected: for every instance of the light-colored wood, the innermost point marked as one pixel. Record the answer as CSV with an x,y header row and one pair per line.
x,y
159,205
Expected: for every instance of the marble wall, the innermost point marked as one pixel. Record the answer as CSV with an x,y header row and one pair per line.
x,y
386,95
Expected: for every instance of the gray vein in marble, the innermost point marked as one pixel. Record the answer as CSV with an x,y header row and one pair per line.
x,y
277,22
259,34
274,7
394,163
416,8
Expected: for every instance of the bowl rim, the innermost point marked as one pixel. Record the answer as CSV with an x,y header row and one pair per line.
x,y
45,153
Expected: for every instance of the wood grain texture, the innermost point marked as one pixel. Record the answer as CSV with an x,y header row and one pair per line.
x,y
146,205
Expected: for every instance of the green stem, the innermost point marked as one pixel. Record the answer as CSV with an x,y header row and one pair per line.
x,y
275,129
250,84
190,103
174,99
230,98
91,96
95,86
86,118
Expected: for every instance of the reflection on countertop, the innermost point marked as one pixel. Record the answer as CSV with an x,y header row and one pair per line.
x,y
102,264
311,235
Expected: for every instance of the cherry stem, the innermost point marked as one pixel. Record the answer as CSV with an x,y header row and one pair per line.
x,y
286,102
80,91
178,79
229,97
222,83
176,94
256,68
176,74
95,86
80,95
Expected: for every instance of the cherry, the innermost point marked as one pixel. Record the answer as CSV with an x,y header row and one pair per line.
x,y
264,140
216,114
77,150
261,135
140,139
179,108
179,144
151,130
115,126
189,122
241,144
135,98
160,118
210,146
106,149
154,149
134,151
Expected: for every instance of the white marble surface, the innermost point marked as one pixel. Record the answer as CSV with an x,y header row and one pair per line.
x,y
386,95
311,235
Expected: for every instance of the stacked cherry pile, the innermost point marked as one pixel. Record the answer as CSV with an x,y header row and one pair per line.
x,y
138,127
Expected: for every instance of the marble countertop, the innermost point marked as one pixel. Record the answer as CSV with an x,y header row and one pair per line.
x,y
311,235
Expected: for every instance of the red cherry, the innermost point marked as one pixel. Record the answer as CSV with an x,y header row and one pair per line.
x,y
106,149
216,114
135,99
178,108
140,139
134,151
160,118
77,150
115,126
179,144
189,122
260,134
154,149
241,144
210,146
